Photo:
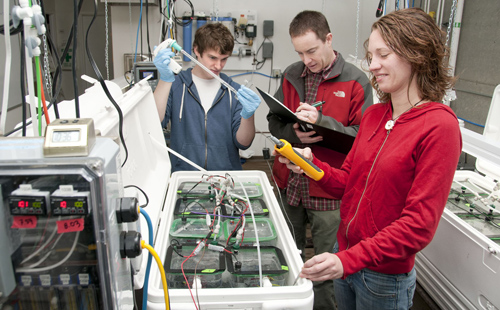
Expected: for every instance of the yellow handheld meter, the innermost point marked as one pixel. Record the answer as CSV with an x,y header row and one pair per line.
x,y
284,148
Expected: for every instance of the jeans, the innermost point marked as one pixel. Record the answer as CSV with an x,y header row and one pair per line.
x,y
368,290
324,227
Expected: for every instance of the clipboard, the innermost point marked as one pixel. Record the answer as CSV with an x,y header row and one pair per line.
x,y
332,139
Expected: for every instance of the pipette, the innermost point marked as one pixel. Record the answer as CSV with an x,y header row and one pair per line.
x,y
170,43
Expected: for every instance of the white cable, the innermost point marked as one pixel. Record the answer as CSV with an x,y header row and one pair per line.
x,y
185,159
477,186
468,188
179,155
256,232
28,270
41,247
31,83
8,59
47,254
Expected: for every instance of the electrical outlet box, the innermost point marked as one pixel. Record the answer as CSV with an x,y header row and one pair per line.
x,y
267,50
268,28
276,73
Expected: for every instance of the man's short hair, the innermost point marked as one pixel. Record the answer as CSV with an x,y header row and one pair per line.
x,y
307,21
214,36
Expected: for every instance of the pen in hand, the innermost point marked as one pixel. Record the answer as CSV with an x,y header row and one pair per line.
x,y
317,104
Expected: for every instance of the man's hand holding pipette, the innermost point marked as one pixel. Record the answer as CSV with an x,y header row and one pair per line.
x,y
162,61
249,100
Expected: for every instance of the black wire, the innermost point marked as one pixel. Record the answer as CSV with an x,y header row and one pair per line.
x,y
486,215
175,248
182,22
23,85
104,87
73,59
12,31
147,30
133,293
142,53
145,195
65,52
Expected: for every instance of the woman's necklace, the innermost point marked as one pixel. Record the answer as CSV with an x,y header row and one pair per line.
x,y
390,123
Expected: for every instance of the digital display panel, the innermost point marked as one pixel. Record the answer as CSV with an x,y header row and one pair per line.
x,y
69,205
66,136
145,73
27,204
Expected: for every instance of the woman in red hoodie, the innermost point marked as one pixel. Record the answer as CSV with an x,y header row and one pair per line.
x,y
396,179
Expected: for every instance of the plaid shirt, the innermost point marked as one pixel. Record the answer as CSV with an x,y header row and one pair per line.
x,y
298,185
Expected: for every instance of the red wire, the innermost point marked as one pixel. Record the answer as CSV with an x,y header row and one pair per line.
x,y
227,242
45,111
187,282
185,278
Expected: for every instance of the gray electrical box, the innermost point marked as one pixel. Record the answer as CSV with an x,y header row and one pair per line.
x,y
59,235
267,50
268,28
143,70
7,279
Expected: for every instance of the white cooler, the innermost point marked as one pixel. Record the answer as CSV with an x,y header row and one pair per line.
x,y
287,296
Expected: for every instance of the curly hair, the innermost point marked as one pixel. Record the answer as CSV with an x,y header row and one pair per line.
x,y
414,36
214,36
307,21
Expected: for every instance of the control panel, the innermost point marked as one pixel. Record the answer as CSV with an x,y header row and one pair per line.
x,y
146,69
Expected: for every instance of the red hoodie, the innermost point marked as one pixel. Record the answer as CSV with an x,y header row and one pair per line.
x,y
394,186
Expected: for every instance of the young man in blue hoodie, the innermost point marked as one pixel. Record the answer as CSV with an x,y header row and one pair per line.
x,y
209,124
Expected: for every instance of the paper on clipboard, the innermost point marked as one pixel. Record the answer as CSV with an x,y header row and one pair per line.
x,y
332,139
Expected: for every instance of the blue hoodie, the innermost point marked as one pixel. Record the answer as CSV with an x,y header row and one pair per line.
x,y
209,141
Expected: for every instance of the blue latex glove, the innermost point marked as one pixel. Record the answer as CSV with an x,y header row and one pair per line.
x,y
249,100
161,62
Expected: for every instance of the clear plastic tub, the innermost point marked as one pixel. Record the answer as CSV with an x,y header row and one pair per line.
x,y
190,230
265,231
259,208
203,189
199,207
244,266
291,295
207,266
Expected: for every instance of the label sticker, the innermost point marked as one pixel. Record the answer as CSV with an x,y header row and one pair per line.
x,y
24,222
70,225
26,280
45,280
64,278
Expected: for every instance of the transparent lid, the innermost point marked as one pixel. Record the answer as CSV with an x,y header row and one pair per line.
x,y
206,262
246,261
265,229
259,208
203,189
189,228
199,207
194,206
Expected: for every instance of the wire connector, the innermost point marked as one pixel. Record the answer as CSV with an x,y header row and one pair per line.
x,y
216,248
196,283
200,246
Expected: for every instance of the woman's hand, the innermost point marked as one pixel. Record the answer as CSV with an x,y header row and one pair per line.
x,y
325,266
306,153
